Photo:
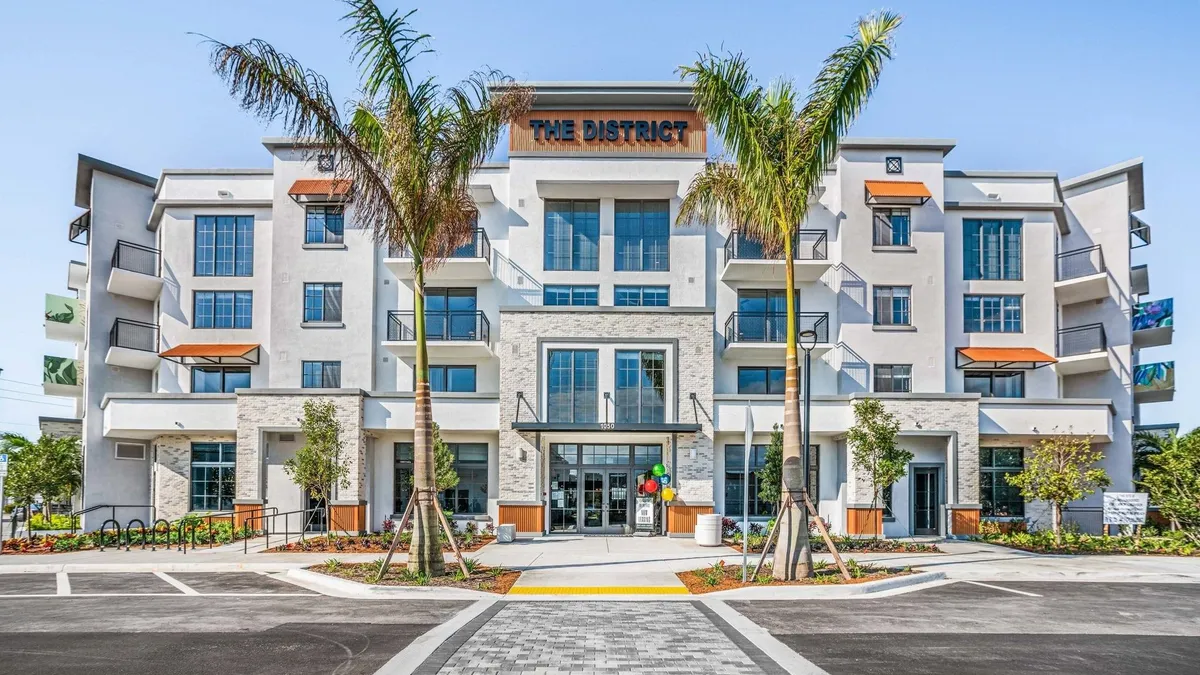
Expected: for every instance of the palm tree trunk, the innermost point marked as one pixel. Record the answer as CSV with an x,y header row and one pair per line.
x,y
425,550
793,557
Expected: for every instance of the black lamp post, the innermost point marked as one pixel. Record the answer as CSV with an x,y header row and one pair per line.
x,y
807,341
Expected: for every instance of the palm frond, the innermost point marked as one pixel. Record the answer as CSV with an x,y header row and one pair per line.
x,y
728,98
720,196
384,47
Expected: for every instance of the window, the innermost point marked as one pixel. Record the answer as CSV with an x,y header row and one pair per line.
x,y
572,237
886,498
892,227
735,459
994,383
321,374
325,163
130,451
762,315
992,249
324,225
470,463
572,385
894,165
222,309
322,302
563,295
450,314
224,246
640,390
213,472
452,378
218,380
642,236
893,378
998,498
641,296
761,380
992,313
892,306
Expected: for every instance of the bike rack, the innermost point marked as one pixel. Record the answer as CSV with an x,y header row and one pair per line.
x,y
184,524
154,535
100,532
129,536
112,515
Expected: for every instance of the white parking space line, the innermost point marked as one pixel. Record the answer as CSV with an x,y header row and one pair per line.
x,y
187,590
64,583
1001,588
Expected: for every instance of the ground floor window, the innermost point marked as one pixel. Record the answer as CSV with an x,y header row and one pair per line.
x,y
470,463
213,472
997,497
735,465
886,498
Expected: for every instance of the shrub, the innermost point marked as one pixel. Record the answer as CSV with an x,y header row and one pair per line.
x,y
728,526
714,575
389,526
756,528
57,522
333,564
472,565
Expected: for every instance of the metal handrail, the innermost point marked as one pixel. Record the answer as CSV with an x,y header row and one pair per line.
x,y
808,244
138,335
114,508
266,529
133,257
772,326
1080,262
479,246
1082,340
452,324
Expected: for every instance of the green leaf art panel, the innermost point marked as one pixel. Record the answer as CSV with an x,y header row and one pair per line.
x,y
60,370
1154,376
60,309
1156,314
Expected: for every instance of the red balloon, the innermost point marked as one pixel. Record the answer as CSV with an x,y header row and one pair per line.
x,y
651,486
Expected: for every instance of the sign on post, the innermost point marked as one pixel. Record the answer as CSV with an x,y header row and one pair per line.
x,y
1125,508
3,465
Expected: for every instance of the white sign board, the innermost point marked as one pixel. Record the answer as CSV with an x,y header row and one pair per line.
x,y
3,465
1125,508
645,512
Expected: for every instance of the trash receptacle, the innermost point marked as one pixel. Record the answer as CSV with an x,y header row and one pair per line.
x,y
708,529
505,534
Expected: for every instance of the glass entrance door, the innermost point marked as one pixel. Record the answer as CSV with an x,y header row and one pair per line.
x,y
564,500
593,500
925,501
605,501
617,508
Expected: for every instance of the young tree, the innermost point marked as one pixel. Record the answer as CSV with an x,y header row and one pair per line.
x,y
1173,480
770,476
874,450
54,465
1060,470
407,150
317,465
782,147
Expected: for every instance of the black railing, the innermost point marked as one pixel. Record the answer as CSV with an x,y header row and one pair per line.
x,y
464,325
479,246
1082,340
807,245
134,335
1082,262
75,514
136,258
772,326
79,227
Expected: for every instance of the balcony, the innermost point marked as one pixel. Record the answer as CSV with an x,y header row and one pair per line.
x,y
77,276
745,260
1083,349
1139,280
62,376
1139,232
1029,419
452,411
1154,382
132,344
1081,276
146,415
64,318
448,334
470,262
136,271
1153,323
763,335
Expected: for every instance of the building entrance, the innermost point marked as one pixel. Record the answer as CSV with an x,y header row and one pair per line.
x,y
590,486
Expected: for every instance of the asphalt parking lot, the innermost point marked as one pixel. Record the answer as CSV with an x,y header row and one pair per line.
x,y
1002,627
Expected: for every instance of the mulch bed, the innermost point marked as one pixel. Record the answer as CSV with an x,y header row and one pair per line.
x,y
367,544
696,584
853,546
493,580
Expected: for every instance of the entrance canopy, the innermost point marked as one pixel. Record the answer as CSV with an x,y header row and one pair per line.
x,y
608,427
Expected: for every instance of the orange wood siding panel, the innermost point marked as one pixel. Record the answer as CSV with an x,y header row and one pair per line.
x,y
695,138
964,521
251,512
864,521
348,518
527,518
681,518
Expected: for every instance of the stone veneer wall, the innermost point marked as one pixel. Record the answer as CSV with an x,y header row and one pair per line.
x,y
935,414
518,352
171,475
61,428
259,410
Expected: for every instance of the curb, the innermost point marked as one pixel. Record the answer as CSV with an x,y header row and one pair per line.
x,y
344,588
908,582
81,568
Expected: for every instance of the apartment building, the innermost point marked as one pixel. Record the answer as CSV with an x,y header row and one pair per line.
x,y
583,336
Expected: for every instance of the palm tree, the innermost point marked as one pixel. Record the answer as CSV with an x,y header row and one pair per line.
x,y
781,148
408,149
1147,444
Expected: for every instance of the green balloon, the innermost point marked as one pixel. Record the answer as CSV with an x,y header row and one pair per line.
x,y
658,470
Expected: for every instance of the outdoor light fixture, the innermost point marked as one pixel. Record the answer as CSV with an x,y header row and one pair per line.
x,y
808,339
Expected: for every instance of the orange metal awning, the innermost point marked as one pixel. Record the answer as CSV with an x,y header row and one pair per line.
x,y
911,192
213,354
316,189
1013,358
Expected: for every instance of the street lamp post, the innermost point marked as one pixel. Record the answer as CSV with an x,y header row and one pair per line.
x,y
807,341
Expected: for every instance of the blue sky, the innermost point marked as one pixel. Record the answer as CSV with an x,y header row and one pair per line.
x,y
1063,86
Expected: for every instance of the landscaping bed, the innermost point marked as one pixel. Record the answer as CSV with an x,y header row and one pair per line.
x,y
482,578
375,543
219,533
731,536
722,577
1042,541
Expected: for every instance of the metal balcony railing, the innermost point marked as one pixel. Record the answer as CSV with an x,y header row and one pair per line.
x,y
808,245
134,335
772,326
136,258
1081,262
1082,340
479,246
458,325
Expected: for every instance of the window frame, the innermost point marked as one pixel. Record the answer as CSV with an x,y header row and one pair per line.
x,y
890,291
445,370
881,218
640,406
976,255
323,372
241,261
574,390
225,467
578,262
996,474
323,287
236,298
759,508
1003,308
402,470
887,165
225,371
892,378
574,292
640,290
624,263
991,376
326,210
766,370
